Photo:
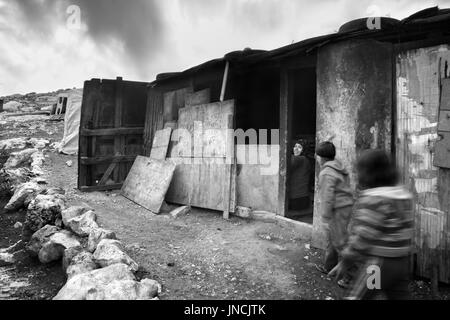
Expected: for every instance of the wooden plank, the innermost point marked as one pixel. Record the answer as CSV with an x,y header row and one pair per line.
x,y
198,97
180,187
285,113
119,141
442,151
114,186
445,94
99,160
444,121
107,173
161,144
195,181
198,185
148,181
111,132
173,101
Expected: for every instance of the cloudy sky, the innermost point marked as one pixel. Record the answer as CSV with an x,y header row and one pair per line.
x,y
44,46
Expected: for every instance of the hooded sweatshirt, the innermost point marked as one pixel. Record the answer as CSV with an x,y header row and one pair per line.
x,y
382,224
334,189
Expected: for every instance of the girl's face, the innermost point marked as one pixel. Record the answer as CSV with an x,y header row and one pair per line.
x,y
298,149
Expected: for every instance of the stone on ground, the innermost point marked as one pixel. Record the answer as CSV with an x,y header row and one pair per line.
x,y
72,212
20,158
110,252
83,225
98,235
127,290
42,210
81,263
23,195
84,285
54,248
39,238
180,211
68,256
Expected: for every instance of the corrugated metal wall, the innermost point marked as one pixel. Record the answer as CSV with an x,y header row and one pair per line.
x,y
418,93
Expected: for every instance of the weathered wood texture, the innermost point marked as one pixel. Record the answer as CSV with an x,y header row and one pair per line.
x,y
148,181
161,144
354,105
111,131
204,178
257,179
419,75
442,148
199,97
153,118
173,101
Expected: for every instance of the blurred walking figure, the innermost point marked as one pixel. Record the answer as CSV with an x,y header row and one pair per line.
x,y
381,231
335,205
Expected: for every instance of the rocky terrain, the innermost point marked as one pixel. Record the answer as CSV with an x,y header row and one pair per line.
x,y
32,101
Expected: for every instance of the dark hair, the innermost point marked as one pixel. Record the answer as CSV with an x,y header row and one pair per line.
x,y
326,150
376,169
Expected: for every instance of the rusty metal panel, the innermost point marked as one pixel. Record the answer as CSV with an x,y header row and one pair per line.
x,y
419,75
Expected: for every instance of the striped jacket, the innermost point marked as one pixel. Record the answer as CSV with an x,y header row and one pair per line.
x,y
382,224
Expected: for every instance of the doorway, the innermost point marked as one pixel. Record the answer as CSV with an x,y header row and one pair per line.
x,y
302,100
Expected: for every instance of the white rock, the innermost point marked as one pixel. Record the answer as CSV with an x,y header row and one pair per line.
x,y
243,212
72,212
180,211
127,290
40,237
69,163
110,252
38,143
80,286
20,158
42,210
68,256
14,143
54,249
81,263
17,225
98,235
23,195
37,162
6,258
83,225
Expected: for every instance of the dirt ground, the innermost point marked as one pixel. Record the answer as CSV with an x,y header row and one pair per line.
x,y
196,256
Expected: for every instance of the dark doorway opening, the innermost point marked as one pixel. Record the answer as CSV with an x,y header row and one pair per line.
x,y
302,93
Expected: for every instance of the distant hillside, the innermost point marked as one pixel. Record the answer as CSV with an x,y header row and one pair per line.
x,y
33,101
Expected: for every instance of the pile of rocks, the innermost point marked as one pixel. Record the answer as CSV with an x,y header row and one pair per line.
x,y
96,263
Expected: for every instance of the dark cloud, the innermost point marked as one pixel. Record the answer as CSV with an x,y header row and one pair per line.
x,y
136,24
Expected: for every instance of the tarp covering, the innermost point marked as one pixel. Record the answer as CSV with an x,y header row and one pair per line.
x,y
69,143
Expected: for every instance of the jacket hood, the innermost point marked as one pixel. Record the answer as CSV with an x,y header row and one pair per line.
x,y
396,193
336,165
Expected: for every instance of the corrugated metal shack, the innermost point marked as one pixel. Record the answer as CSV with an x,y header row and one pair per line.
x,y
366,88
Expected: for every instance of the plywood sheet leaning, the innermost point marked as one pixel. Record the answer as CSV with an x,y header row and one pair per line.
x,y
161,144
148,181
203,177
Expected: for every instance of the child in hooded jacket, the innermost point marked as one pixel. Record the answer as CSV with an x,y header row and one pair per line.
x,y
335,204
